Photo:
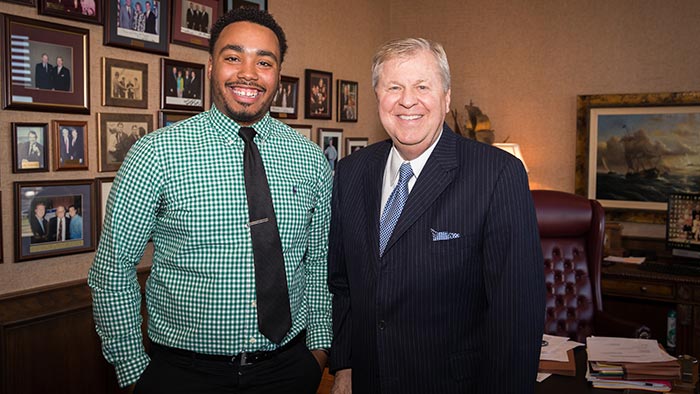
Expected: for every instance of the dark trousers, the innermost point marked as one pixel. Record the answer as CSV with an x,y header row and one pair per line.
x,y
294,371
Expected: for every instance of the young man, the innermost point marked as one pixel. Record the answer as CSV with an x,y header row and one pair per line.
x,y
434,256
217,324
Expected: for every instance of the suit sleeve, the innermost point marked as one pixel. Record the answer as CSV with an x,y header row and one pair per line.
x,y
338,284
514,285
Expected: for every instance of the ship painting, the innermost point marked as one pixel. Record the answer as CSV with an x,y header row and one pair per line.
x,y
643,154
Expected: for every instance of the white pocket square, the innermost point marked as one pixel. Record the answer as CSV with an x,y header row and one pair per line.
x,y
443,235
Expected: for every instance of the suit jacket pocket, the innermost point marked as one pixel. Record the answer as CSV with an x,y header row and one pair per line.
x,y
463,366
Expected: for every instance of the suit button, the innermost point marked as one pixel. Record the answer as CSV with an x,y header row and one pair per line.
x,y
381,325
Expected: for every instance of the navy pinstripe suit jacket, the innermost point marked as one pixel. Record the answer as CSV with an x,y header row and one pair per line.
x,y
462,315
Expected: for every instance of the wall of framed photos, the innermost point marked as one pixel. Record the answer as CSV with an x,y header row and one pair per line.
x,y
316,41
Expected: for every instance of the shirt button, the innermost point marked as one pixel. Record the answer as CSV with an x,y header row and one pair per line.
x,y
381,325
252,340
254,304
230,141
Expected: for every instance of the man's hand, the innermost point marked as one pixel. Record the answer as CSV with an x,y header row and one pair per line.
x,y
343,382
321,357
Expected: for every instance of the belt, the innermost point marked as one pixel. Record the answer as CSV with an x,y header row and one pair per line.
x,y
243,358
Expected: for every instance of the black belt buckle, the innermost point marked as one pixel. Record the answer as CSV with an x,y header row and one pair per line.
x,y
244,359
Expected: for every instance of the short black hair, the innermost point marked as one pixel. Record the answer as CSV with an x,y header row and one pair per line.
x,y
260,17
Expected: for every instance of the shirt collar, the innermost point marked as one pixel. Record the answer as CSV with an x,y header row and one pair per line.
x,y
417,164
228,128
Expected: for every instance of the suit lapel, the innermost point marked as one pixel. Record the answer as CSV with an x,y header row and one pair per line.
x,y
438,173
374,176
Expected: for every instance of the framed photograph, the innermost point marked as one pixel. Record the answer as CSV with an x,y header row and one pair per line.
x,y
284,105
634,150
181,85
31,3
353,144
141,25
53,218
257,4
331,142
69,145
303,129
347,101
192,22
166,118
318,99
89,11
30,147
52,72
124,83
117,133
102,187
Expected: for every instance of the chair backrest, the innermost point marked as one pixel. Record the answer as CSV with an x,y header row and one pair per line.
x,y
572,231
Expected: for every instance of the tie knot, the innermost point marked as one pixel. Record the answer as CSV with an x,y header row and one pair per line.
x,y
405,172
247,133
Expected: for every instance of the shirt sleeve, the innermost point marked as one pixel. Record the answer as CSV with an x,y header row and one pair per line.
x,y
128,225
319,330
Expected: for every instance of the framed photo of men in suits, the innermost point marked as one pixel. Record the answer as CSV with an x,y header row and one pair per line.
x,y
285,103
257,4
331,142
69,145
192,22
52,74
141,25
318,94
30,147
81,10
53,218
181,85
117,134
124,83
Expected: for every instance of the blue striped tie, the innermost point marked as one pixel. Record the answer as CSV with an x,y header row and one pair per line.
x,y
394,206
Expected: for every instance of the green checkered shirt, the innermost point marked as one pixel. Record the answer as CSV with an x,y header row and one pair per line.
x,y
182,186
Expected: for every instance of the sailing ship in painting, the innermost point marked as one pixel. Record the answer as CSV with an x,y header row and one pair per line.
x,y
645,156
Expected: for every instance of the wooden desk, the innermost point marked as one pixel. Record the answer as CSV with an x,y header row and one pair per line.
x,y
646,297
558,384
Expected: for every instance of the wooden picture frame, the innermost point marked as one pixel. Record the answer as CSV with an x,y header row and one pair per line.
x,y
89,11
348,104
257,4
192,22
166,118
30,3
36,239
45,87
124,83
285,104
117,133
304,129
353,144
331,143
103,185
179,93
30,147
600,121
318,94
70,145
146,34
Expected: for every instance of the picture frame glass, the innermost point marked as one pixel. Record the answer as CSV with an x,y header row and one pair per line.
x,y
30,147
318,92
285,102
70,145
182,85
124,83
348,92
192,22
117,134
82,10
639,155
331,142
140,25
255,4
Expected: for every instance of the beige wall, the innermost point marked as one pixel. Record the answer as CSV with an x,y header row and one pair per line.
x,y
522,62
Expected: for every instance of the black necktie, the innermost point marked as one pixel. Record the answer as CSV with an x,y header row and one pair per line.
x,y
274,316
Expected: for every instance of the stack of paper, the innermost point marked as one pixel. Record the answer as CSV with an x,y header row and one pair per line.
x,y
625,363
557,357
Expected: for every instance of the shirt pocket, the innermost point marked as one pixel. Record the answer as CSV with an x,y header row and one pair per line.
x,y
294,203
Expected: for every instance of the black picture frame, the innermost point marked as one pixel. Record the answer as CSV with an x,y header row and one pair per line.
x,y
70,145
124,83
45,88
149,36
353,144
257,4
36,241
348,103
112,149
318,94
175,94
30,3
89,11
326,135
166,118
28,157
103,185
285,104
190,29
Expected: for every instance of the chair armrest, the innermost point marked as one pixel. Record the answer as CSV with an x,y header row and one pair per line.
x,y
609,325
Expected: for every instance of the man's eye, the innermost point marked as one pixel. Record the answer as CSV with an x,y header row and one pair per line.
x,y
265,64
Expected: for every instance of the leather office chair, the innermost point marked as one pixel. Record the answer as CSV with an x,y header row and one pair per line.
x,y
572,232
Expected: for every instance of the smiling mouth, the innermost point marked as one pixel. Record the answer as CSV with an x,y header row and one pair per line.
x,y
245,91
410,117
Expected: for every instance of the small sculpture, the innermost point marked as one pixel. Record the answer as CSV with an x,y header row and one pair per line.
x,y
475,124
